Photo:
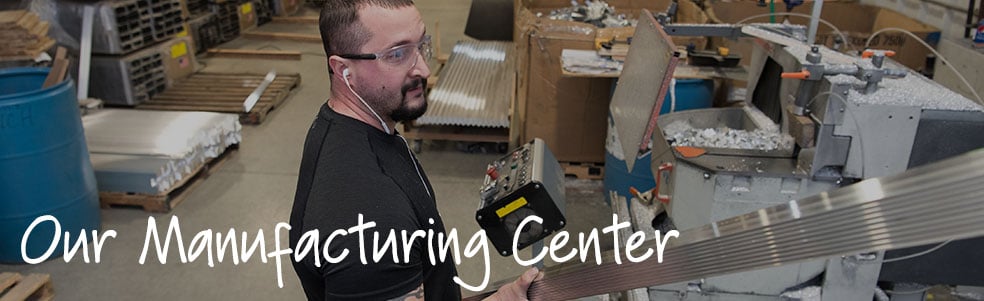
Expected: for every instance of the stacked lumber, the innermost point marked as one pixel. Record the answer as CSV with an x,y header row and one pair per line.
x,y
25,36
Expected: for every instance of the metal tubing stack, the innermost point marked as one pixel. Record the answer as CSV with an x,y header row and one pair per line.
x,y
131,79
228,19
204,30
129,40
165,18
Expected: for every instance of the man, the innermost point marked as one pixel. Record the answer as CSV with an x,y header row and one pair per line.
x,y
356,169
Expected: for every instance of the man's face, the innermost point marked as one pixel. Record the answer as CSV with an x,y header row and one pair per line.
x,y
394,91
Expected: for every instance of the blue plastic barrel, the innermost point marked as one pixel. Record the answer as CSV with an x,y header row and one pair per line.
x,y
44,165
690,94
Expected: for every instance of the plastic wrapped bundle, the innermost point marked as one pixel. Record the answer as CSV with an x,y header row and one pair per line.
x,y
150,151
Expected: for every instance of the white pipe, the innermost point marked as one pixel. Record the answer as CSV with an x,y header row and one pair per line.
x,y
814,22
85,51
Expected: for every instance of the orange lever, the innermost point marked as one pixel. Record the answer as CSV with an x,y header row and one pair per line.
x,y
665,199
870,53
797,75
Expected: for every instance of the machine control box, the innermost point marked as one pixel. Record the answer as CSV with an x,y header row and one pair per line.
x,y
526,182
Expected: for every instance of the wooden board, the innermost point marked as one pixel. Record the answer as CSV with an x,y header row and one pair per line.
x,y
224,93
456,133
256,54
25,35
164,202
14,287
313,38
296,20
590,171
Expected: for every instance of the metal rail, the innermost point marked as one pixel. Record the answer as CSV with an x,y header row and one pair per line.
x,y
923,205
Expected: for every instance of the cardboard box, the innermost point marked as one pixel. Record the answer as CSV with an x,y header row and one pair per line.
x,y
247,16
285,8
855,20
569,113
178,55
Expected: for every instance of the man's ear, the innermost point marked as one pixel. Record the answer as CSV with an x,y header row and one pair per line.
x,y
336,65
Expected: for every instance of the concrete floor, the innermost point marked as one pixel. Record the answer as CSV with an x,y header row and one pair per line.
x,y
254,191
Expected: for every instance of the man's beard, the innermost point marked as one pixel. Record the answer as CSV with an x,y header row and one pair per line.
x,y
403,112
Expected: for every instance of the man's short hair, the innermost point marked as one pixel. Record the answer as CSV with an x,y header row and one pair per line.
x,y
341,30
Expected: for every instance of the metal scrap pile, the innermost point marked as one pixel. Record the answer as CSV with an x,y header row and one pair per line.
x,y
597,13
683,134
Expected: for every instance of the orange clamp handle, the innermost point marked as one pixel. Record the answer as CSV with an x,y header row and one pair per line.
x,y
665,199
797,75
870,53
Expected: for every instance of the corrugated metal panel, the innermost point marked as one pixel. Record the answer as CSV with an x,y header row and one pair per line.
x,y
474,88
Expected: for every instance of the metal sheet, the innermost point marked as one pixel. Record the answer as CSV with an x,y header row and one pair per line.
x,y
642,86
475,87
148,151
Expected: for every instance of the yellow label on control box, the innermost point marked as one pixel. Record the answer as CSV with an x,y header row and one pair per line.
x,y
509,208
179,49
247,8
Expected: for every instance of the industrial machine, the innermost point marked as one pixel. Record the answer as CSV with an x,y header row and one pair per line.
x,y
809,190
528,181
815,120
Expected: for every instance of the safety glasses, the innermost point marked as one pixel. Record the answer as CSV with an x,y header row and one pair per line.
x,y
398,56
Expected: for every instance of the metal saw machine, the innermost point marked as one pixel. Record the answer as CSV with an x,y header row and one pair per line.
x,y
815,120
840,177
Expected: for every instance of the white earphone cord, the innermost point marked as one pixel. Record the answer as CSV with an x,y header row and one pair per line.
x,y
386,128
345,77
415,167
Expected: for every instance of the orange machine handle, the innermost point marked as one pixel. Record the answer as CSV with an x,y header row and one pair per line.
x,y
870,53
665,199
797,75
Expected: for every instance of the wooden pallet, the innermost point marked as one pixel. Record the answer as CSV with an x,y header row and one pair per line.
x,y
224,93
15,287
417,133
164,202
590,171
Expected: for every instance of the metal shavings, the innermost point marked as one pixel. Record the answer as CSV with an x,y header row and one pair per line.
x,y
683,134
913,90
597,13
809,293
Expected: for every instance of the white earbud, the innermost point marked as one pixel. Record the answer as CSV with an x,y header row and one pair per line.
x,y
345,75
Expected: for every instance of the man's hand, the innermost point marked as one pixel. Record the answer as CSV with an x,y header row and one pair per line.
x,y
517,289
